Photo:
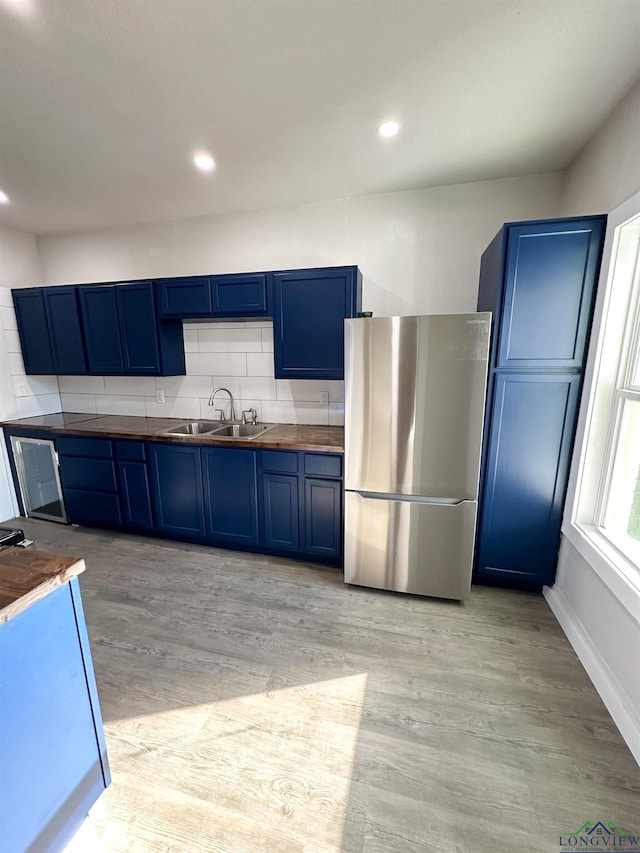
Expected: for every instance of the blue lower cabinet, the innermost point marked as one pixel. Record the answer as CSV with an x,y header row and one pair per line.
x,y
52,749
176,487
280,512
323,517
230,495
135,495
532,427
97,509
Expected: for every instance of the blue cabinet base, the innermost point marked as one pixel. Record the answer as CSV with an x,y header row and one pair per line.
x,y
52,748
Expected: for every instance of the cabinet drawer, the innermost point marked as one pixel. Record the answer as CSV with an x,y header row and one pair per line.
x,y
97,447
279,461
92,508
90,474
132,451
323,464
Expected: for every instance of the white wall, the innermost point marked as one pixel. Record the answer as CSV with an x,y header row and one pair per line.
x,y
602,618
419,252
19,267
607,171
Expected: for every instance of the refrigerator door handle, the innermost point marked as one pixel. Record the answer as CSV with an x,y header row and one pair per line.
x,y
420,499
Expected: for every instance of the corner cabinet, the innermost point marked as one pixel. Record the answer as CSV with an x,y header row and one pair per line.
x,y
309,310
539,280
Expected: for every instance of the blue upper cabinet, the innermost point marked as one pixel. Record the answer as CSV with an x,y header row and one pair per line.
x,y
65,330
33,330
550,275
140,350
208,297
243,295
184,297
101,328
309,310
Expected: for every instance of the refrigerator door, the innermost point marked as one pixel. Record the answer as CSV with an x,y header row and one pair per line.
x,y
415,392
409,546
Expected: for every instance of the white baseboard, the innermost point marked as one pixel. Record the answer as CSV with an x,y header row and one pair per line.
x,y
612,693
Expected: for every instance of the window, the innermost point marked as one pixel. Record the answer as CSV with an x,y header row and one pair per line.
x,y
606,512
618,512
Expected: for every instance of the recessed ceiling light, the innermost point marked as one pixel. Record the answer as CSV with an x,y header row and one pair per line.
x,y
4,198
389,128
204,162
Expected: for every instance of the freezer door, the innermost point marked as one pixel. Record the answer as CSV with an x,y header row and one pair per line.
x,y
409,546
415,392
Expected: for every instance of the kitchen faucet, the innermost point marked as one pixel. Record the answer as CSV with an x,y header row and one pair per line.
x,y
213,394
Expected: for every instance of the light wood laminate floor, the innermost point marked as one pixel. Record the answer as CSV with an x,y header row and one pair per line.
x,y
259,705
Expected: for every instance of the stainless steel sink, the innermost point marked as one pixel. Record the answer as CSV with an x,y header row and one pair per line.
x,y
242,430
194,428
217,430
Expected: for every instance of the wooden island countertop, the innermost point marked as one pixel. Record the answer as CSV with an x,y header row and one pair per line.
x,y
27,576
282,437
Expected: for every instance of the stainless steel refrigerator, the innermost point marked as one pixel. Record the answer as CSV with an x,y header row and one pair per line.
x,y
414,412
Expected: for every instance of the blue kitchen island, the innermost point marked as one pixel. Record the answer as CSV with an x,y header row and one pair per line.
x,y
53,758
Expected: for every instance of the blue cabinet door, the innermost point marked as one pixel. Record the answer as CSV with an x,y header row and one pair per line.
x,y
135,496
309,309
280,512
323,517
52,749
33,330
550,276
230,494
65,330
138,332
242,295
101,328
184,297
176,486
532,425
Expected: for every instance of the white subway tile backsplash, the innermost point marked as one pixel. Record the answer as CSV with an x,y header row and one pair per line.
x,y
120,405
173,407
82,384
217,363
12,340
336,414
308,390
185,386
16,365
9,322
43,404
135,386
336,391
208,412
230,340
214,324
29,386
267,339
78,403
289,412
260,364
6,301
256,387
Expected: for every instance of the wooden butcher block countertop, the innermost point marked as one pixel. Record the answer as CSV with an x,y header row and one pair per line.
x,y
282,437
27,576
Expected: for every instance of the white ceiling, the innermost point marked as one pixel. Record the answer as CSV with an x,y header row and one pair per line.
x,y
103,102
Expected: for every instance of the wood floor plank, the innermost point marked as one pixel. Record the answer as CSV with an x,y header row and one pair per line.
x,y
258,705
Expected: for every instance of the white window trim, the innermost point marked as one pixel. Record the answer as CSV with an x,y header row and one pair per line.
x,y
586,477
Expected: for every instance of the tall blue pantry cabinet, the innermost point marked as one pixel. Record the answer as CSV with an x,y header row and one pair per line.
x,y
539,280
